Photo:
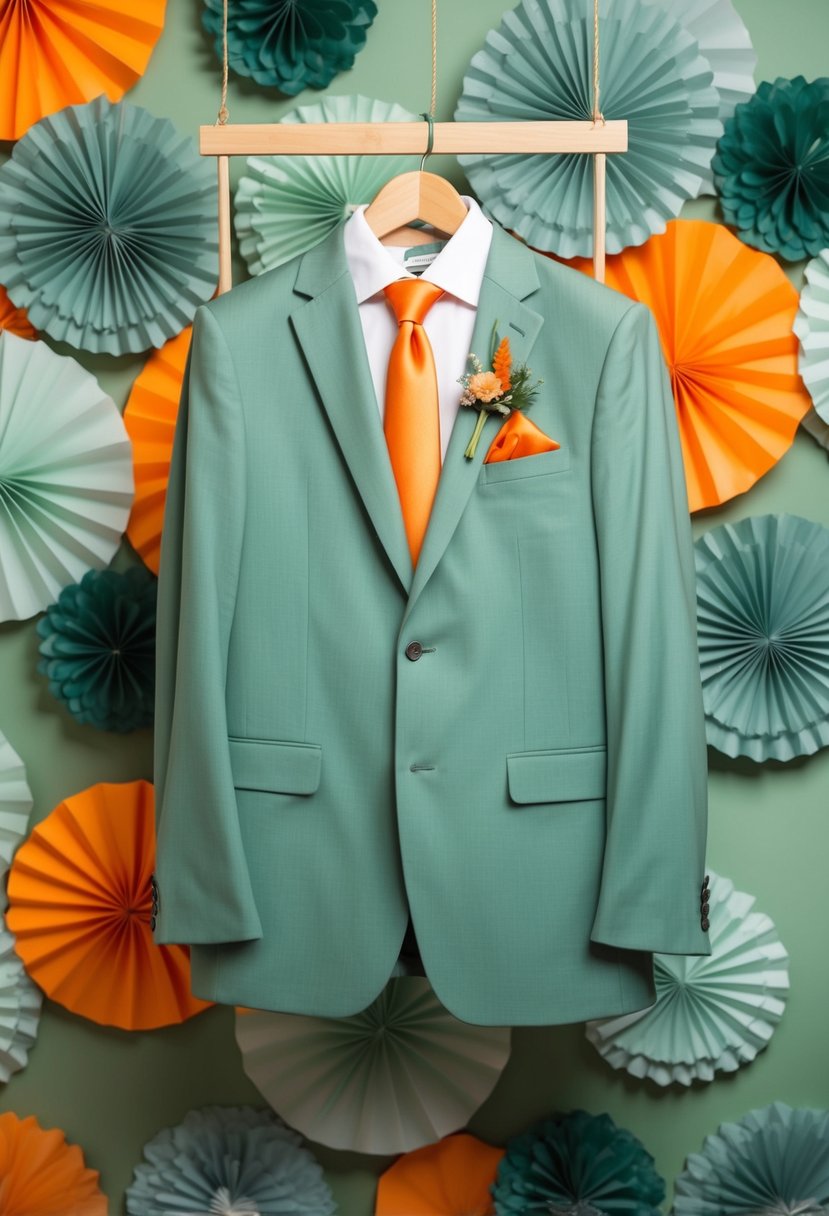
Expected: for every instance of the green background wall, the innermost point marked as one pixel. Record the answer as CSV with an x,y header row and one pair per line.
x,y
769,827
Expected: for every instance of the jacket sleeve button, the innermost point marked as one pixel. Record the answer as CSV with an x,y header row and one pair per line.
x,y
705,923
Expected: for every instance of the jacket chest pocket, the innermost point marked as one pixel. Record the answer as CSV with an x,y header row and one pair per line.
x,y
278,766
541,464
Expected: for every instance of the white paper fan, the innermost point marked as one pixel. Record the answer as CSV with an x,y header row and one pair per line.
x,y
20,1004
15,802
812,328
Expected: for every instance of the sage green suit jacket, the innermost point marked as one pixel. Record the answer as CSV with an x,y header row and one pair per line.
x,y
533,787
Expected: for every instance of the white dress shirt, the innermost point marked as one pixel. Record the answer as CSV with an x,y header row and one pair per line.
x,y
458,268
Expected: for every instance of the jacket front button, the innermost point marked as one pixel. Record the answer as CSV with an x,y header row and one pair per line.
x,y
413,651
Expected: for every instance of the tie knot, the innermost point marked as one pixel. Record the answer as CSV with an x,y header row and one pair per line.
x,y
411,299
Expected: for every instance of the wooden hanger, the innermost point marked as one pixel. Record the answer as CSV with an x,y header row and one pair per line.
x,y
416,195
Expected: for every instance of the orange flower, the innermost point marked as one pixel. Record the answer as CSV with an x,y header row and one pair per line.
x,y
485,386
502,364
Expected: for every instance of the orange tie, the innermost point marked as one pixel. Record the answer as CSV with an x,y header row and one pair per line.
x,y
411,421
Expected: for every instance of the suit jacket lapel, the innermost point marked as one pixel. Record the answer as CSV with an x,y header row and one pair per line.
x,y
328,329
509,276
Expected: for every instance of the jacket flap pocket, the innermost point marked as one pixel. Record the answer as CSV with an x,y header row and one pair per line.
x,y
557,776
276,765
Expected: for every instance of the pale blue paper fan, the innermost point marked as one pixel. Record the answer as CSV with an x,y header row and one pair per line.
x,y
763,625
20,1005
287,204
66,479
108,233
772,1162
15,802
538,65
725,43
812,328
814,425
713,1013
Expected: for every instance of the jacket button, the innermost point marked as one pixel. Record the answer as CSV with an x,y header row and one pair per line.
x,y
414,650
152,922
705,922
705,881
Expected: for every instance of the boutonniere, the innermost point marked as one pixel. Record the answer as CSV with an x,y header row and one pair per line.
x,y
502,389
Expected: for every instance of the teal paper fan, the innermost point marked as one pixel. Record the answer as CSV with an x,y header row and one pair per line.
x,y
229,1159
713,1013
538,65
286,204
20,1005
290,44
66,479
108,227
15,802
773,1160
812,328
763,625
577,1164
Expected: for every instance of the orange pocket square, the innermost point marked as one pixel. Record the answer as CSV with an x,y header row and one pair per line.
x,y
519,437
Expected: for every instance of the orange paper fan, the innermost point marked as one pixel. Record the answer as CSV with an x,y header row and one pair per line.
x,y
450,1178
79,907
56,53
725,314
150,419
15,320
42,1175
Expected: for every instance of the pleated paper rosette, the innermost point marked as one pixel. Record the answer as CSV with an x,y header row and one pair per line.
x,y
398,1075
814,425
725,316
108,227
20,1005
538,64
451,1178
15,802
812,328
725,44
287,204
55,53
773,1160
42,1175
231,1161
763,627
713,1013
66,481
79,907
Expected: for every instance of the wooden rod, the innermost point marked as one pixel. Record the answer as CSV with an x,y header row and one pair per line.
x,y
402,138
599,214
225,271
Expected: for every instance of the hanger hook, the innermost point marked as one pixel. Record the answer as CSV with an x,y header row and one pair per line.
x,y
431,143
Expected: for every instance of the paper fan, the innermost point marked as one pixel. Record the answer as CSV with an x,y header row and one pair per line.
x,y
20,1003
229,1159
725,317
397,1075
450,1178
42,1175
79,906
817,428
14,319
538,65
725,44
812,328
108,227
763,625
150,418
286,204
15,802
774,1160
714,1012
291,44
65,475
57,52
578,1163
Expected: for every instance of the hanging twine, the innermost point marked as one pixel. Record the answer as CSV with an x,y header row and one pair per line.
x,y
597,114
434,57
224,113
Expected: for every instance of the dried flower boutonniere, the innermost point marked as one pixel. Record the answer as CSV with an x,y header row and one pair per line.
x,y
503,389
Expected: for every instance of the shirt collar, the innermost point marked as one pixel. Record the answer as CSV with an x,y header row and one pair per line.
x,y
458,268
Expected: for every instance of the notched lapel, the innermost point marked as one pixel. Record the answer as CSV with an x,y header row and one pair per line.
x,y
327,327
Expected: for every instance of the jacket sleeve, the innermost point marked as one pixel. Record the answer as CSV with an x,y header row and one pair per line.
x,y
657,800
201,878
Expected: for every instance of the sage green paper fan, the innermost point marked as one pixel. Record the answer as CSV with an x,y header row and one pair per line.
x,y
763,628
713,1013
287,204
108,227
398,1075
538,64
